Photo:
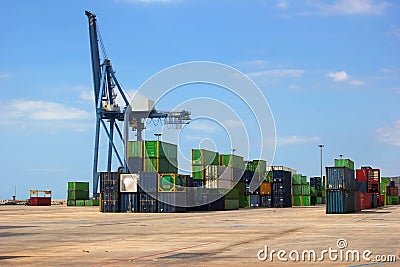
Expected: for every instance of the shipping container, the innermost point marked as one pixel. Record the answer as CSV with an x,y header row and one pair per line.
x,y
385,180
40,201
160,165
260,167
135,165
305,190
340,178
254,201
231,204
362,186
392,183
92,202
230,160
109,201
129,202
305,200
265,188
373,187
129,183
232,194
297,179
197,183
147,203
374,200
366,201
171,182
374,174
266,201
297,190
77,195
79,186
348,163
361,175
172,202
393,200
243,202
148,181
296,200
339,202
211,172
134,149
109,182
158,149
70,202
357,201
204,157
80,203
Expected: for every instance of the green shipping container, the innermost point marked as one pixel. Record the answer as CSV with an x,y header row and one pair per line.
x,y
95,202
232,194
198,172
134,149
306,201
78,195
385,180
304,180
80,202
383,188
71,203
296,179
344,163
204,157
160,165
260,167
231,161
158,149
241,187
297,190
231,204
89,202
319,200
250,166
83,186
305,190
393,200
296,200
313,191
243,203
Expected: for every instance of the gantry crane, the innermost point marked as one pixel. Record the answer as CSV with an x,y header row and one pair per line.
x,y
108,113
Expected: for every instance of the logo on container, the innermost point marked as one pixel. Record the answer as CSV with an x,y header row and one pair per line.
x,y
340,253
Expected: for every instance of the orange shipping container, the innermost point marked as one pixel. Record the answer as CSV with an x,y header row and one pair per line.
x,y
265,188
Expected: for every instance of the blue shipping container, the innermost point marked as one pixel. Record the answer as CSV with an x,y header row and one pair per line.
x,y
362,186
148,181
266,201
254,201
147,203
340,202
109,182
172,202
109,201
129,202
340,178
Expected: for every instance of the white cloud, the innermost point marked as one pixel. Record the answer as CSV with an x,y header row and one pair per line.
x,y
342,76
293,87
277,73
294,139
350,7
390,134
202,127
193,138
282,4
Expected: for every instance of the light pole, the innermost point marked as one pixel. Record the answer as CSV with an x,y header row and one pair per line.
x,y
321,146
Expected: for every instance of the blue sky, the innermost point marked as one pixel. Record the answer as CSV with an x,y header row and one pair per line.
x,y
329,70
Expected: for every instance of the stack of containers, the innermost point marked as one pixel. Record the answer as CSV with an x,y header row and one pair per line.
x,y
129,193
152,156
392,192
305,192
362,187
255,175
109,191
296,189
341,187
385,182
148,192
231,167
373,179
204,167
78,194
172,192
281,188
316,190
266,192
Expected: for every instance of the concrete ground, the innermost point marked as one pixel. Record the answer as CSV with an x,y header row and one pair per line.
x,y
82,236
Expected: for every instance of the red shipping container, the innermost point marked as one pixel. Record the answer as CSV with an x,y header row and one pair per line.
x,y
40,201
361,175
394,191
367,204
357,201
382,200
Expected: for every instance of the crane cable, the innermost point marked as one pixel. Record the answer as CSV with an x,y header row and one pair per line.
x,y
103,48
